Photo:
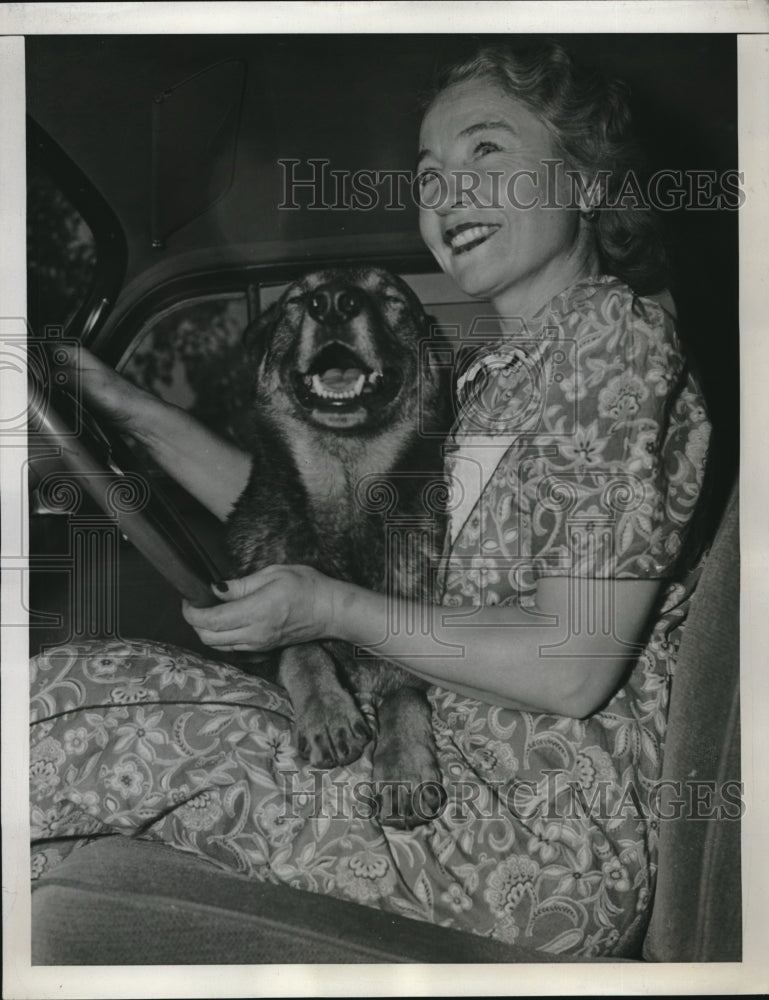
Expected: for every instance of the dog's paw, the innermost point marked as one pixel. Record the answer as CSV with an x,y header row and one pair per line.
x,y
408,782
332,731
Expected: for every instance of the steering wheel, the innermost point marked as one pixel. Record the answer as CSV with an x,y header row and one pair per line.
x,y
110,472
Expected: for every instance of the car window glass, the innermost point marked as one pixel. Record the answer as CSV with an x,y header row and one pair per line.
x,y
61,252
191,355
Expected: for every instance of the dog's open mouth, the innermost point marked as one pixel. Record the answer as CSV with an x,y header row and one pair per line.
x,y
338,380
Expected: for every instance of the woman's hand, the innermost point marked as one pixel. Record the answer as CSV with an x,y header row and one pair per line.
x,y
278,606
213,470
131,409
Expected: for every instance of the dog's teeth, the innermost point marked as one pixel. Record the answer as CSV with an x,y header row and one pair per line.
x,y
316,384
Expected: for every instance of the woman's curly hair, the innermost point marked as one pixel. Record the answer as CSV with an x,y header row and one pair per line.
x,y
590,121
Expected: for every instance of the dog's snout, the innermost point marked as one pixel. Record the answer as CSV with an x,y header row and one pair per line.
x,y
319,305
329,305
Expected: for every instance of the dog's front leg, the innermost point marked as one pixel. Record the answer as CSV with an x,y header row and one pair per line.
x,y
406,768
330,727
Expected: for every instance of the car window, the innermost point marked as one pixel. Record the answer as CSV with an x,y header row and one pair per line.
x,y
190,354
61,252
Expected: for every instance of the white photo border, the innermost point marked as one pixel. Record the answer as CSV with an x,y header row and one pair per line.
x,y
750,21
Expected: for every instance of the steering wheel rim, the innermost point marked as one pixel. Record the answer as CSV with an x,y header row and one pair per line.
x,y
95,452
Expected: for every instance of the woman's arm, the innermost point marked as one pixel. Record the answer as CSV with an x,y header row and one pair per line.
x,y
557,657
214,471
565,656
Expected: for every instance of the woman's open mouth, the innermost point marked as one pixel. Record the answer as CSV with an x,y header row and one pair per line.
x,y
468,236
338,380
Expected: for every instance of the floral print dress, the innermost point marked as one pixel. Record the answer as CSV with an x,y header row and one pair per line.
x,y
579,450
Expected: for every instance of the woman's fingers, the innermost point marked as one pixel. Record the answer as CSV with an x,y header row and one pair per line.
x,y
251,635
277,606
260,608
109,392
96,378
226,625
234,590
219,618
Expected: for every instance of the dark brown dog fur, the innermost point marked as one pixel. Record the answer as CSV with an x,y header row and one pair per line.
x,y
335,483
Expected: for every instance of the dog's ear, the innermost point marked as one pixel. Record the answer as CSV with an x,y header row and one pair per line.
x,y
257,335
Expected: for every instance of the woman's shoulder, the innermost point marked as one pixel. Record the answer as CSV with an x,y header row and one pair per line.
x,y
603,307
611,297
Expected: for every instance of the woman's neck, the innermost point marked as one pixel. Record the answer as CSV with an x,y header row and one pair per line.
x,y
527,300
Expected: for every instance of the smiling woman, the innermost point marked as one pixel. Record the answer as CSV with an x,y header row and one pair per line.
x,y
549,641
492,248
509,139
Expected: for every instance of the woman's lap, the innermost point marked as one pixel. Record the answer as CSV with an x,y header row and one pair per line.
x,y
153,741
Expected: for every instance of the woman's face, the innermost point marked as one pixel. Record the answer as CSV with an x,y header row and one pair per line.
x,y
481,161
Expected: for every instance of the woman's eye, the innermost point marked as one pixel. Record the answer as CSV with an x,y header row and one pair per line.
x,y
426,177
486,147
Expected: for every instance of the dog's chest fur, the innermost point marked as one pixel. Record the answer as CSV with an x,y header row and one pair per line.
x,y
302,505
331,476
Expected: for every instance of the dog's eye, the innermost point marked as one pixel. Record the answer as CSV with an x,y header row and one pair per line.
x,y
295,300
394,300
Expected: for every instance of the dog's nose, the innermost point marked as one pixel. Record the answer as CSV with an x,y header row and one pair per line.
x,y
329,304
349,302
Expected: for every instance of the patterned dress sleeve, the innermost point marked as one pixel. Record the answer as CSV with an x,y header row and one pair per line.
x,y
614,474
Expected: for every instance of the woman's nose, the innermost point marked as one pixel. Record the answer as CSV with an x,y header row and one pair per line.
x,y
458,191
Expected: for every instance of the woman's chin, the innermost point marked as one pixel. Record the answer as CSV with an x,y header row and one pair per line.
x,y
471,272
473,282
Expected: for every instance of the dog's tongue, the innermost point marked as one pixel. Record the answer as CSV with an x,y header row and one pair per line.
x,y
341,379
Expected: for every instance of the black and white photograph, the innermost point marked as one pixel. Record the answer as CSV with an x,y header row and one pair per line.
x,y
376,496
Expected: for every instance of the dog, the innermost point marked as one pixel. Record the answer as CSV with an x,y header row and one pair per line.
x,y
347,415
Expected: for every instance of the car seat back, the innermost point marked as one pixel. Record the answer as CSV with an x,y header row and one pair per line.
x,y
697,909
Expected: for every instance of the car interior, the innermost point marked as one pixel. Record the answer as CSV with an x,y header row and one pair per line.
x,y
176,185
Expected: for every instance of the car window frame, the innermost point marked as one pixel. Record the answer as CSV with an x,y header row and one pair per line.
x,y
109,238
113,340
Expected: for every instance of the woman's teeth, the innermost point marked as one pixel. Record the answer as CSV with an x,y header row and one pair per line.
x,y
475,234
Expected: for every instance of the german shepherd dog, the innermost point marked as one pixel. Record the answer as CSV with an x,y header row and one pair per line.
x,y
348,420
